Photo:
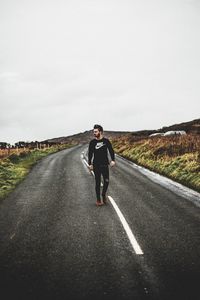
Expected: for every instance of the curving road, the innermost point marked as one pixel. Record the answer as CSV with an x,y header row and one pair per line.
x,y
56,244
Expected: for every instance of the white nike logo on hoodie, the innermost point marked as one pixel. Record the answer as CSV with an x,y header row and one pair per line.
x,y
99,145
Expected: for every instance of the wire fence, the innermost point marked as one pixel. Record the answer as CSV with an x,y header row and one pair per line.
x,y
17,150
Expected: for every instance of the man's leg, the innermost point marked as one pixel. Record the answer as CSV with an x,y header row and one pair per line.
x,y
97,173
105,173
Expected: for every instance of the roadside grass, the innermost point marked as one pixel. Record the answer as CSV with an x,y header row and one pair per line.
x,y
14,168
177,157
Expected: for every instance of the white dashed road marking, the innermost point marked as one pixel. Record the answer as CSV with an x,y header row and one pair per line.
x,y
129,233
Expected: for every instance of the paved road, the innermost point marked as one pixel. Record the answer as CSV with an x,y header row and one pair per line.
x,y
56,244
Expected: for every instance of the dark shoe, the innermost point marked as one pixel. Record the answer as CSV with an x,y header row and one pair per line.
x,y
104,199
99,203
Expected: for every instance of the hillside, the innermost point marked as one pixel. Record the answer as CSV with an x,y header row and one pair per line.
x,y
86,136
176,157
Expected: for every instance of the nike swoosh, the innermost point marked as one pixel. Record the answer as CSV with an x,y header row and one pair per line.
x,y
97,147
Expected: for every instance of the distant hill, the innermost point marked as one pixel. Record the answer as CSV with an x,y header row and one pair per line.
x,y
86,136
188,127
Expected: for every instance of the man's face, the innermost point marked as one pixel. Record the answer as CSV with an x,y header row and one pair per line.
x,y
96,133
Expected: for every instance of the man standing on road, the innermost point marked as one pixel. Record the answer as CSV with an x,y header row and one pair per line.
x,y
100,165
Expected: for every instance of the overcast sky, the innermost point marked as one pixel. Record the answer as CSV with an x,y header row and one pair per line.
x,y
68,64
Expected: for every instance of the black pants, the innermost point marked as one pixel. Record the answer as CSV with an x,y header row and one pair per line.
x,y
98,171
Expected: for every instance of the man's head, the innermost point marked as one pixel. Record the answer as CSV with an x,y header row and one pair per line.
x,y
98,130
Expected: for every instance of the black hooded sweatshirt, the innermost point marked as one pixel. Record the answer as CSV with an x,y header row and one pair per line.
x,y
100,150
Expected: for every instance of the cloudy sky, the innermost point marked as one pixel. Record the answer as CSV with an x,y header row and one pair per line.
x,y
68,64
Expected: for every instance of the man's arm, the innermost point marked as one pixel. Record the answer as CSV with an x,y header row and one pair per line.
x,y
111,151
90,153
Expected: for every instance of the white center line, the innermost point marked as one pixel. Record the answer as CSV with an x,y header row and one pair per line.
x,y
12,236
129,233
127,229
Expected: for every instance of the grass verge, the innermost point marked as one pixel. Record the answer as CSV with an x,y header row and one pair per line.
x,y
177,158
14,168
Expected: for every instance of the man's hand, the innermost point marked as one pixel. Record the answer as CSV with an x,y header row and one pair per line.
x,y
112,163
90,168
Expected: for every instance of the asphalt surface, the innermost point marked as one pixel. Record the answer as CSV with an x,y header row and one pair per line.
x,y
56,244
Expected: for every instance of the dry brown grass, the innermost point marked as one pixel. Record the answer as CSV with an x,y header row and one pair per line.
x,y
177,157
163,146
6,152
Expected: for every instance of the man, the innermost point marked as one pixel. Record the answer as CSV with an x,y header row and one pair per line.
x,y
99,148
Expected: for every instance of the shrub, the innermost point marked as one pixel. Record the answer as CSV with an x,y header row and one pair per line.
x,y
14,158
